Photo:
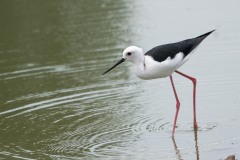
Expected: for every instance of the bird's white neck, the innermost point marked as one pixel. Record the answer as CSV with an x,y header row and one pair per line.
x,y
140,65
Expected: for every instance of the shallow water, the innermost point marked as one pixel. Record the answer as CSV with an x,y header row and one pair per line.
x,y
55,105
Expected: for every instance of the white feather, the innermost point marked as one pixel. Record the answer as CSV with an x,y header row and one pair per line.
x,y
147,68
153,69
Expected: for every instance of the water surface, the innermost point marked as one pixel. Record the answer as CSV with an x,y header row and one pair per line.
x,y
55,105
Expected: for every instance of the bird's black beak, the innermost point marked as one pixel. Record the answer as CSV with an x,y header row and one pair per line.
x,y
119,62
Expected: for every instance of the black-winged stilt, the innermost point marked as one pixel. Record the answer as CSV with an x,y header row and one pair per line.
x,y
162,61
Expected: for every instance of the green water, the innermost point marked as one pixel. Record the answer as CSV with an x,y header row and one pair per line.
x,y
55,105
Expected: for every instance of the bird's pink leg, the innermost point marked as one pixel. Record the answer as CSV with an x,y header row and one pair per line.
x,y
177,106
194,81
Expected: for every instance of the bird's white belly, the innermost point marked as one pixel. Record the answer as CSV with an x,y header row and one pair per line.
x,y
153,69
154,72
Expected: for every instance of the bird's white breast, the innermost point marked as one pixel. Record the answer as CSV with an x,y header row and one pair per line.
x,y
152,69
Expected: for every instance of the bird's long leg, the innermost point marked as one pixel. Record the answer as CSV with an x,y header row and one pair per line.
x,y
177,106
194,81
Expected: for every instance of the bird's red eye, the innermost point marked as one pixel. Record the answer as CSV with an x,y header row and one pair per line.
x,y
129,53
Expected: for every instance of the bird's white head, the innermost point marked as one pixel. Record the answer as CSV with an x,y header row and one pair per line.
x,y
133,54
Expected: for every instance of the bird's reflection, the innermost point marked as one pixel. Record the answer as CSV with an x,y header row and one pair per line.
x,y
177,151
196,143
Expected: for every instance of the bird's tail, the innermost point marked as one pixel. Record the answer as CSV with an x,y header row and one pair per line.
x,y
206,34
200,39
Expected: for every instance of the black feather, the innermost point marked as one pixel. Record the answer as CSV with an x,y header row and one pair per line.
x,y
162,52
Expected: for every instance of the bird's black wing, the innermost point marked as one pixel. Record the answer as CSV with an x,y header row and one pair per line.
x,y
162,52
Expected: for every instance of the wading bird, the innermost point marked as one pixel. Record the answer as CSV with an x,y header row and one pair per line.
x,y
162,61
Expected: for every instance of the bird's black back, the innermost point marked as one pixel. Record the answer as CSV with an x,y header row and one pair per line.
x,y
162,52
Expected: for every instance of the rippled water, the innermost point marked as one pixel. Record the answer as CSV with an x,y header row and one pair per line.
x,y
55,105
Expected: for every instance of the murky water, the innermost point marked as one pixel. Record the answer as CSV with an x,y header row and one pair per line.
x,y
55,105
